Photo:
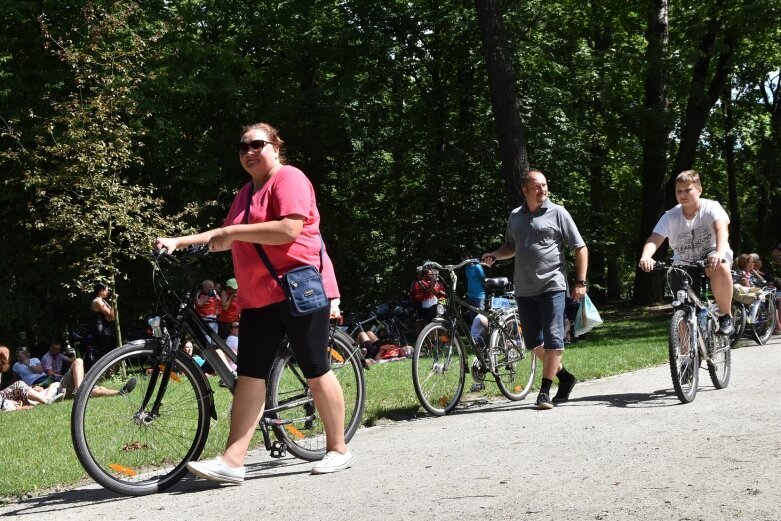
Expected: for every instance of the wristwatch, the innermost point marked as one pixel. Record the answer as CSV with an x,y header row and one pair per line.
x,y
583,281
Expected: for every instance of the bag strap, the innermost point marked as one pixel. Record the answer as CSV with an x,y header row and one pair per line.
x,y
259,248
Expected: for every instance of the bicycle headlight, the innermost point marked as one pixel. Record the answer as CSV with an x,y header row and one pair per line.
x,y
154,323
680,296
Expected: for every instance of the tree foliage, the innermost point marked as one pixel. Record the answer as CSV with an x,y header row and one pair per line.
x,y
119,120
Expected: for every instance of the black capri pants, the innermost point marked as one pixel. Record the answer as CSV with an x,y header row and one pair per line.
x,y
262,330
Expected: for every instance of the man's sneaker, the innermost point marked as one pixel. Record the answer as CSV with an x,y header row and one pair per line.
x,y
543,402
56,398
215,470
128,387
726,325
564,390
333,462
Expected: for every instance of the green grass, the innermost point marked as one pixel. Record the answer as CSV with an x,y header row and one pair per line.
x,y
37,454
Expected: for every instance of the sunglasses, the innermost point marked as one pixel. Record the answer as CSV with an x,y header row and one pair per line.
x,y
234,327
255,145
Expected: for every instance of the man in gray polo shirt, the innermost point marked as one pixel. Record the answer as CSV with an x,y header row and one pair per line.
x,y
537,233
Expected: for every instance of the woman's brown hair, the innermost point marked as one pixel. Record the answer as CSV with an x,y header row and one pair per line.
x,y
5,359
273,137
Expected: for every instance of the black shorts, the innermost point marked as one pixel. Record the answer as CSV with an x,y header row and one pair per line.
x,y
262,331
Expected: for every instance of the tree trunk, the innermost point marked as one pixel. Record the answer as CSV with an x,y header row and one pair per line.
x,y
729,157
504,98
702,96
767,233
654,126
601,38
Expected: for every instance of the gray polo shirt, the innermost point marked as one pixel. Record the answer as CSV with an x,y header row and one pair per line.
x,y
538,240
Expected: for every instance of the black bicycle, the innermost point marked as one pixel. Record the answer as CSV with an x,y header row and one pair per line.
x,y
139,442
386,320
439,361
694,332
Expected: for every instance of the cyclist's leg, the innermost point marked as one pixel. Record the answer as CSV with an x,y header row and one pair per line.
x,y
261,334
721,285
308,337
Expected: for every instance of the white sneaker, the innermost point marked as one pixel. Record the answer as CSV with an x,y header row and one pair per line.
x,y
216,470
333,462
56,398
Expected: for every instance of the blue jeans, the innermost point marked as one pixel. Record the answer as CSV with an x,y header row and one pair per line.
x,y
542,319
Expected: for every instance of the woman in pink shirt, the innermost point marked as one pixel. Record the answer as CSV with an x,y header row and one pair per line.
x,y
283,218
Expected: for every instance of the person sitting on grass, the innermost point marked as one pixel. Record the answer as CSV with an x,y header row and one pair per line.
x,y
375,350
28,369
19,395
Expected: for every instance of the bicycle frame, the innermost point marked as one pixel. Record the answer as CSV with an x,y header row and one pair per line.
x,y
455,307
187,321
688,300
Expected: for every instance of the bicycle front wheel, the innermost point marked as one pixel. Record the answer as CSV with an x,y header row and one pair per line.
x,y
125,443
684,358
515,366
720,363
438,368
295,419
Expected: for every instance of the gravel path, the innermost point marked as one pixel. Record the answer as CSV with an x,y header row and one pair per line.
x,y
622,448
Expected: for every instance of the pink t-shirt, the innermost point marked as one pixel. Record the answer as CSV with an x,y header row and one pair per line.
x,y
288,192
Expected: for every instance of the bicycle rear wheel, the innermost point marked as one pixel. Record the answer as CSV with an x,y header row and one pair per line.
x,y
739,314
438,368
720,363
515,366
120,440
297,424
765,321
684,358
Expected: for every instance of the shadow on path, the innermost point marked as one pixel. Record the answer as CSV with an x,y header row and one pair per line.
x,y
59,502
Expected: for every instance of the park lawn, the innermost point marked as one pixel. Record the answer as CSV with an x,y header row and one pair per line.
x,y
38,455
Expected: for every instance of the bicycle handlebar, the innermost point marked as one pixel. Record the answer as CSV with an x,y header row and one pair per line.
x,y
450,267
662,265
188,254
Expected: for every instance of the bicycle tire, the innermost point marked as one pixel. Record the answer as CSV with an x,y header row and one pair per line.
x,y
303,431
765,322
438,368
720,363
515,366
739,315
684,358
129,451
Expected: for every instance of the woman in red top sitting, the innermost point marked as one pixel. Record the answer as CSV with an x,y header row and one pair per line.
x,y
230,307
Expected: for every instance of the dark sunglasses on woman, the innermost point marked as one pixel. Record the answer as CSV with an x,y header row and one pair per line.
x,y
255,145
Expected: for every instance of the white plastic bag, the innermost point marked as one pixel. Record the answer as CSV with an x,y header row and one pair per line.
x,y
588,317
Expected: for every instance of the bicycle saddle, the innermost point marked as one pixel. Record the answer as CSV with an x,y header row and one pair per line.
x,y
496,282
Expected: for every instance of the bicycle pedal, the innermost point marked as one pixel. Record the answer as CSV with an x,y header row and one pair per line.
x,y
278,450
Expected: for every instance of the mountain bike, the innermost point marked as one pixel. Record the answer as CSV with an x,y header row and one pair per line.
x,y
439,359
384,320
139,442
694,332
